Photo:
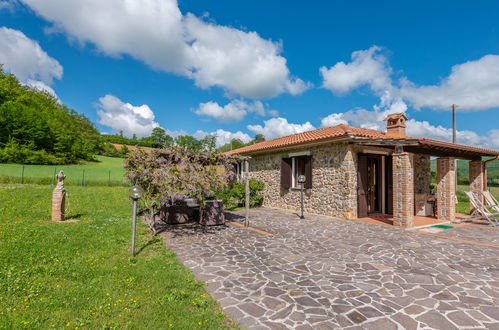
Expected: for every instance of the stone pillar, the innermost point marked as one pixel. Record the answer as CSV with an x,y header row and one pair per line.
x,y
58,204
478,178
403,189
446,185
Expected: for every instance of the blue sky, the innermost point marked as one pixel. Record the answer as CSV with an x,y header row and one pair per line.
x,y
254,67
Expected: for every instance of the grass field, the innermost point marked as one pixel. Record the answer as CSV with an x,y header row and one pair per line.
x,y
106,171
80,274
463,205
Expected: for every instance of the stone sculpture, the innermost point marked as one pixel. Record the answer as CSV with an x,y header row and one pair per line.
x,y
59,198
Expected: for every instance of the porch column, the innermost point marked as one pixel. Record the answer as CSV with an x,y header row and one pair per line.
x,y
446,183
478,178
403,189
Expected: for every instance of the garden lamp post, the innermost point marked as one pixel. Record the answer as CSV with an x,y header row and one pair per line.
x,y
301,181
135,194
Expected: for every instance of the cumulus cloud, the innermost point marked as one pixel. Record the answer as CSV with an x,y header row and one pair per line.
x,y
223,137
25,59
41,86
374,119
473,85
121,116
277,127
157,33
234,111
333,120
368,67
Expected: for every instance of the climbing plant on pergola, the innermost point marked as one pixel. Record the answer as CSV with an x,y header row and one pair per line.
x,y
168,176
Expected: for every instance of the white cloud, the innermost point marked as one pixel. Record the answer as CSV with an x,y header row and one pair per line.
x,y
41,86
227,114
6,4
473,85
157,33
223,137
368,67
121,116
374,119
333,120
25,59
277,127
234,111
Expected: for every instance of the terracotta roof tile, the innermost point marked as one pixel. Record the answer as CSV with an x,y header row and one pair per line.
x,y
341,131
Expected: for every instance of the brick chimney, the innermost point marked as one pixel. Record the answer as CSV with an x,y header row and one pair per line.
x,y
395,124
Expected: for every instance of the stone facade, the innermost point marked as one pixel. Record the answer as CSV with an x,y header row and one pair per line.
x,y
446,182
403,189
334,181
422,174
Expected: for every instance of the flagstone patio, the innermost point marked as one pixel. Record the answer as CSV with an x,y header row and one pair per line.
x,y
323,273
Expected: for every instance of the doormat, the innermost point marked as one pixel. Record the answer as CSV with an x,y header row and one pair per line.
x,y
443,226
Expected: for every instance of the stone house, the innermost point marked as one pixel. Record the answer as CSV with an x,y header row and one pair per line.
x,y
353,172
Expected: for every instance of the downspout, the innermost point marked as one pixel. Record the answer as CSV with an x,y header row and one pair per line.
x,y
491,160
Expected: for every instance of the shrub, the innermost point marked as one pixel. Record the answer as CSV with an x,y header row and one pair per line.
x,y
235,196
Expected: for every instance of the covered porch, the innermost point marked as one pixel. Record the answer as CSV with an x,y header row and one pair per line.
x,y
394,180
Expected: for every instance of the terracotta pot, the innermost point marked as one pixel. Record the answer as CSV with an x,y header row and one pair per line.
x,y
212,213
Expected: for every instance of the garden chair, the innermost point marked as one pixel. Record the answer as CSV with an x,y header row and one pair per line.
x,y
490,200
481,210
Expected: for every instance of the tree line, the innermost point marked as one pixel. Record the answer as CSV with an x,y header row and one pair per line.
x,y
159,139
35,128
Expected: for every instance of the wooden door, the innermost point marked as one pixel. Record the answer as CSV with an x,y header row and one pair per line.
x,y
389,184
362,186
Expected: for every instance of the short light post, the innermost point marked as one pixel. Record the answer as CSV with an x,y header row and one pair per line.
x,y
135,194
301,181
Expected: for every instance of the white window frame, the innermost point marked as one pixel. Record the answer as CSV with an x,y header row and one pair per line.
x,y
293,156
294,179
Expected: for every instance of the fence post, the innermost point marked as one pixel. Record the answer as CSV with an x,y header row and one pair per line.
x,y
83,178
22,176
109,179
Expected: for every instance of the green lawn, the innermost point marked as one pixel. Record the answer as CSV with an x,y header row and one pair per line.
x,y
463,205
80,274
106,171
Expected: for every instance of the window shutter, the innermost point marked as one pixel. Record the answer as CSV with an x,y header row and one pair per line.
x,y
308,172
286,173
362,203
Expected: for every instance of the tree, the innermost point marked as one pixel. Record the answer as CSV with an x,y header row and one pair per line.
x,y
158,137
209,142
188,142
35,128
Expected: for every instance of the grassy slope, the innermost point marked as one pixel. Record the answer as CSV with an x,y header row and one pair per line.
x,y
94,171
81,275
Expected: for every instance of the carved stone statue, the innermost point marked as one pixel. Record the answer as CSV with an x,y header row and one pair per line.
x,y
59,198
60,180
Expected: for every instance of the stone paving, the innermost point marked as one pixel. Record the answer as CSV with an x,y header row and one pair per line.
x,y
326,273
478,233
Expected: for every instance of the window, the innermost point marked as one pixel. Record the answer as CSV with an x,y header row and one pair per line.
x,y
293,167
239,171
298,168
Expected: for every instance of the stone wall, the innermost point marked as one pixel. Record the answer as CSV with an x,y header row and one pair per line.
x,y
334,181
422,174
